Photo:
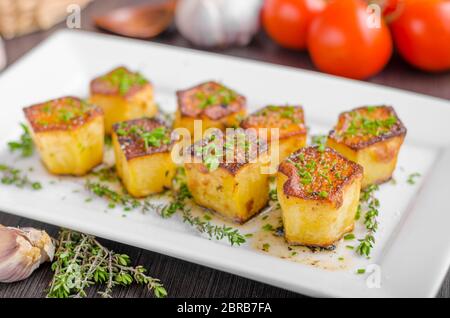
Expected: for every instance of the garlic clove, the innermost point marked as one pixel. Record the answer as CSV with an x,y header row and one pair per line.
x,y
21,252
41,240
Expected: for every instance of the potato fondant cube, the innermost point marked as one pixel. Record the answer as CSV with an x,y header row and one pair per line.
x,y
371,136
123,95
142,149
319,195
68,133
214,104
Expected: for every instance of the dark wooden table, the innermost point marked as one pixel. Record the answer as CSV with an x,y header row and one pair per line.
x,y
183,279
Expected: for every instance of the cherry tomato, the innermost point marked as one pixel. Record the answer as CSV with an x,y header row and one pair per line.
x,y
341,41
388,7
422,34
287,21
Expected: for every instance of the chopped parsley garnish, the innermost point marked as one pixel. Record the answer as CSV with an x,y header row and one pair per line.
x,y
153,138
14,176
361,271
65,115
363,126
316,173
222,96
125,80
266,247
24,144
323,194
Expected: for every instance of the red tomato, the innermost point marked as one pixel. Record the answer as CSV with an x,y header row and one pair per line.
x,y
287,21
389,7
422,34
342,42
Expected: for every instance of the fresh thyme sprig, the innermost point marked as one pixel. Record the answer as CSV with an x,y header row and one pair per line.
x,y
24,144
81,261
106,174
365,246
202,225
178,204
14,176
369,204
213,231
115,198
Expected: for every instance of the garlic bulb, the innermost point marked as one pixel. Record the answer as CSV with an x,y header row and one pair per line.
x,y
22,251
213,23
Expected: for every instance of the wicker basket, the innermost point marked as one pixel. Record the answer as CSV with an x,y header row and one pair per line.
x,y
18,17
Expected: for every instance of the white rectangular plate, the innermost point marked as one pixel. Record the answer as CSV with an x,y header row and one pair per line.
x,y
413,243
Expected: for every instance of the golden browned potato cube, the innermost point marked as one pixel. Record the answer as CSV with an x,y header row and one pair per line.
x,y
231,182
290,122
214,104
123,95
68,134
319,195
142,149
371,136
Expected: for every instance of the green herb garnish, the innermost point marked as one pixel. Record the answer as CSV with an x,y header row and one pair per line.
x,y
361,271
365,246
14,176
323,194
268,227
320,141
369,205
24,144
412,178
125,80
81,261
349,237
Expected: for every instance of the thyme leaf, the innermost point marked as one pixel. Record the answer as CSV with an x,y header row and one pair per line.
x,y
24,144
81,261
13,176
369,205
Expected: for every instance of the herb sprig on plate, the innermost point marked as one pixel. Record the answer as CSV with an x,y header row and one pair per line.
x,y
369,205
24,144
178,204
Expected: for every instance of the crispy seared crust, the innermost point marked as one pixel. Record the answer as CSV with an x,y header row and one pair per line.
x,y
359,142
330,164
65,113
241,157
132,145
106,85
190,101
289,119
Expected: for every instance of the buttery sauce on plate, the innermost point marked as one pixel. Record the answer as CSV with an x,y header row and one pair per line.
x,y
265,235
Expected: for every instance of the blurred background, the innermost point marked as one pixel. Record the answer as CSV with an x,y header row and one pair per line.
x,y
399,43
